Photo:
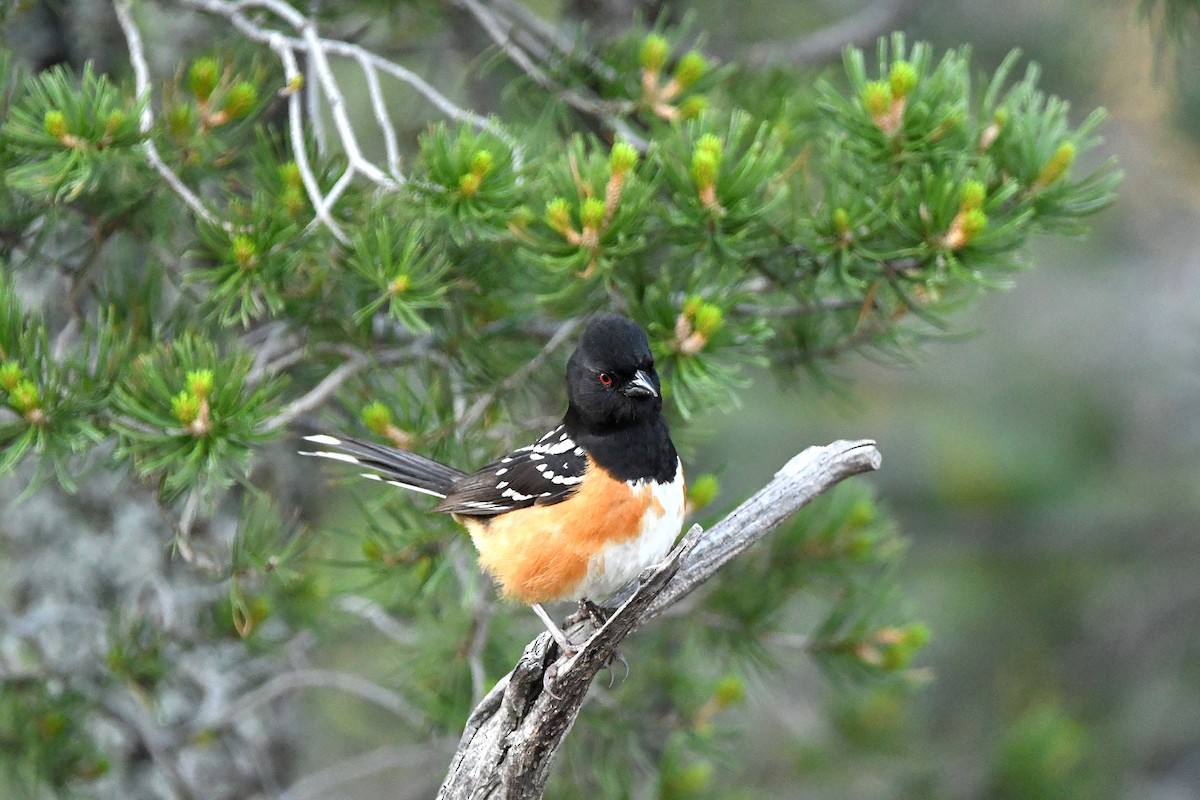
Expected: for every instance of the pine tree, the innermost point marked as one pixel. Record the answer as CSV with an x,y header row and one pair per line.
x,y
285,229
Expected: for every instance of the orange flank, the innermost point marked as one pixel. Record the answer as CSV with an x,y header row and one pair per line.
x,y
528,553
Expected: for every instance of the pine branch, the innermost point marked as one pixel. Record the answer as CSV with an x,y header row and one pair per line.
x,y
512,736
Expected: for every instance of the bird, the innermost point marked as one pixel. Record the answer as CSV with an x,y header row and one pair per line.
x,y
581,511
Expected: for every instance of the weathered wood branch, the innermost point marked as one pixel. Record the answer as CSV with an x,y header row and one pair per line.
x,y
512,736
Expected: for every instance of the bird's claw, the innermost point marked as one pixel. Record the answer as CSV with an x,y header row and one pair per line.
x,y
612,677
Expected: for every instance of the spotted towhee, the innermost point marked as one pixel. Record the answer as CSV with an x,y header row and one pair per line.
x,y
585,508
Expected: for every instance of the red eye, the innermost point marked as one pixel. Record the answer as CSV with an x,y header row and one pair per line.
x,y
605,379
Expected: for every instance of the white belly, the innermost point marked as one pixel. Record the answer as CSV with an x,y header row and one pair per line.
x,y
620,562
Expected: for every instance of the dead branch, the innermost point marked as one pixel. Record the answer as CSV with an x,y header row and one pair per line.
x,y
512,736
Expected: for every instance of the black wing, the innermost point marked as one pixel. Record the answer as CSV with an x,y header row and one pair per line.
x,y
546,472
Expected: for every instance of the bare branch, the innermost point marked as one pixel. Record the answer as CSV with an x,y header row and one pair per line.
x,y
127,712
379,618
438,100
525,20
289,682
476,410
291,73
269,343
799,309
319,393
312,108
499,29
141,80
331,89
379,106
317,49
483,606
861,28
325,782
183,531
512,736
355,362
799,482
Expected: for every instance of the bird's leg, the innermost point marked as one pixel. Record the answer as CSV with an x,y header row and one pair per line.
x,y
566,650
565,647
598,615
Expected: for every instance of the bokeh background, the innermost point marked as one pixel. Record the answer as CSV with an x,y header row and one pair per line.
x,y
1045,468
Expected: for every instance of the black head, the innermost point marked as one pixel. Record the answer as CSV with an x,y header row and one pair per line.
x,y
611,382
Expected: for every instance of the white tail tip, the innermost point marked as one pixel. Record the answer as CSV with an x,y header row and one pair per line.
x,y
320,438
335,456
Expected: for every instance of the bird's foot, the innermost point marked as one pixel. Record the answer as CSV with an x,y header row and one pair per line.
x,y
590,612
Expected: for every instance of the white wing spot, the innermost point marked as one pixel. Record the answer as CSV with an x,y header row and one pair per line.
x,y
501,484
501,471
565,480
536,456
558,448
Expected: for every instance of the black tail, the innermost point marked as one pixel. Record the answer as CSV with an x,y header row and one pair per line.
x,y
397,467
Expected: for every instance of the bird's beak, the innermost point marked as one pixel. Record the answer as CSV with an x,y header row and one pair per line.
x,y
641,386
